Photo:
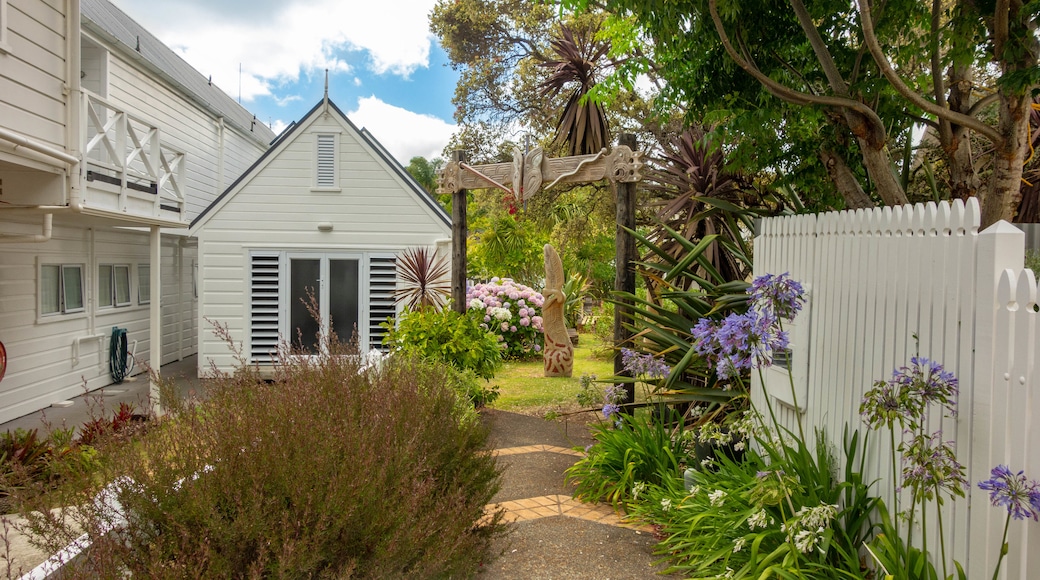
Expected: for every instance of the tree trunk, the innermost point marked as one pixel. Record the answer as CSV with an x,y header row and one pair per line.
x,y
1004,194
845,181
955,139
872,141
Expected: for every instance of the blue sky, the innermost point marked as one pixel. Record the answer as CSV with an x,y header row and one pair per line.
x,y
386,71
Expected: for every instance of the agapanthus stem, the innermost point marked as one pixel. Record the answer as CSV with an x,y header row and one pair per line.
x,y
942,536
895,485
794,396
1003,542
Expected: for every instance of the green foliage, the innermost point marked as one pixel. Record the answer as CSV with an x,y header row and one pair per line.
x,y
732,516
471,388
1033,261
575,289
635,453
424,171
447,337
32,465
687,288
332,470
506,244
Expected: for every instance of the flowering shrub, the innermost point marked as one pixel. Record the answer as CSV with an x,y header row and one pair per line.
x,y
511,311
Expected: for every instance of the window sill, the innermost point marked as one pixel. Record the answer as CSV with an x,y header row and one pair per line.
x,y
60,317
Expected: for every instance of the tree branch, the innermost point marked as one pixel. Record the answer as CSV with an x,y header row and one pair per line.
x,y
834,78
780,91
914,98
983,102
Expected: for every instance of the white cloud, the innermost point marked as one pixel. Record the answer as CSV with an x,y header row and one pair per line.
x,y
404,134
274,41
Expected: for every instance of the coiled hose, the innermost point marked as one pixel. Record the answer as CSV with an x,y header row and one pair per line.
x,y
120,361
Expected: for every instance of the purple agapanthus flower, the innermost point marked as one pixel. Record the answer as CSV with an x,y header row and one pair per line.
x,y
1019,495
610,409
746,342
777,294
646,366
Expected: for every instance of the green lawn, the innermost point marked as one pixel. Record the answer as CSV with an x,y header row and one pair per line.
x,y
524,388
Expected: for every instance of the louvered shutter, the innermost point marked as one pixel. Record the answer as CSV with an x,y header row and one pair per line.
x,y
326,176
263,308
382,280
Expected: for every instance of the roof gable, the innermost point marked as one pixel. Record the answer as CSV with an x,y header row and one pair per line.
x,y
293,132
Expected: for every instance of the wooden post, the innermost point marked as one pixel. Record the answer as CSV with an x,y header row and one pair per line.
x,y
459,232
624,256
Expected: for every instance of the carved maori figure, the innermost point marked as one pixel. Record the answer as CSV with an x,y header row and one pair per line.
x,y
558,353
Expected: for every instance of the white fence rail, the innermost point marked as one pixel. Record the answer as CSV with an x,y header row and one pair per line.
x,y
888,284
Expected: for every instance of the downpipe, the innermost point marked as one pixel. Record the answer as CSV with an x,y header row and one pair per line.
x,y
40,238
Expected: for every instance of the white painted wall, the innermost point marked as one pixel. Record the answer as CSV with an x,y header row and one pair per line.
x,y
40,349
277,209
32,71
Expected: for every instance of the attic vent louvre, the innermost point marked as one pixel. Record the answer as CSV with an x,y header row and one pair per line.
x,y
382,281
326,176
263,308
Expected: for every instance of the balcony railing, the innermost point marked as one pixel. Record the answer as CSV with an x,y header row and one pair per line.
x,y
128,167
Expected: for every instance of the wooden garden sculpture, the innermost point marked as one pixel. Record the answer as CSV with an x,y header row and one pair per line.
x,y
558,353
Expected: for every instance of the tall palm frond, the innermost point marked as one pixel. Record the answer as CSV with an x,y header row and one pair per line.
x,y
583,124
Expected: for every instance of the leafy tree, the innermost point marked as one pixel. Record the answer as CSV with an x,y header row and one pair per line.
x,y
867,70
424,171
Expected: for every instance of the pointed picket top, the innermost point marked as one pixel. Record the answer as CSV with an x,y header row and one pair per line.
x,y
843,223
930,221
888,221
900,217
808,224
973,215
945,219
1025,289
857,221
959,223
916,222
1006,298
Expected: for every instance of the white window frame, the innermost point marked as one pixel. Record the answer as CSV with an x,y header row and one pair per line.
x,y
114,269
5,47
62,290
334,185
144,283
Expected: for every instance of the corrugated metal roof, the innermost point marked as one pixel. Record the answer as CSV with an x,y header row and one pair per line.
x,y
137,40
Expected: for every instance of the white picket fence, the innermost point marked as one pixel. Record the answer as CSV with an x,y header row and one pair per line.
x,y
878,278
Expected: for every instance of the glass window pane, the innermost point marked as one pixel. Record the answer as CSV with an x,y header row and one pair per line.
x,y
144,284
50,289
343,297
104,286
121,280
304,281
72,285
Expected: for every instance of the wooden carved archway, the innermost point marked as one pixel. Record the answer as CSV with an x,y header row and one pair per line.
x,y
531,172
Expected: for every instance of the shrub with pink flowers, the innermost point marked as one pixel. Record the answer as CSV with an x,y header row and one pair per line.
x,y
510,310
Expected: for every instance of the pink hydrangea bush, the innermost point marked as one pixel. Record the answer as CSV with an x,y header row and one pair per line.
x,y
510,310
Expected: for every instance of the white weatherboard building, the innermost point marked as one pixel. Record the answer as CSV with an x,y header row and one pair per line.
x,y
110,145
326,209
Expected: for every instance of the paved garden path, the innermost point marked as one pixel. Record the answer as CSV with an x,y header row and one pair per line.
x,y
554,536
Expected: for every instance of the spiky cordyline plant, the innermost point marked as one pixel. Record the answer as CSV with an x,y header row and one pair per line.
x,y
695,195
424,275
583,123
